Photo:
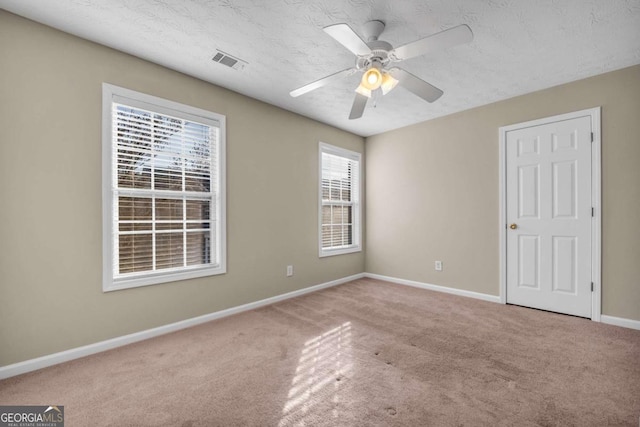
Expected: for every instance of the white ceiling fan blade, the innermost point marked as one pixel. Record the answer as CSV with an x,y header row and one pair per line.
x,y
416,85
357,109
344,35
439,41
322,82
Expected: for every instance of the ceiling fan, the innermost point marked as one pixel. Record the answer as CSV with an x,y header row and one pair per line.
x,y
374,58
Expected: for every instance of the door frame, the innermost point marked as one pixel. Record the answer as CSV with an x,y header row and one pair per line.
x,y
596,192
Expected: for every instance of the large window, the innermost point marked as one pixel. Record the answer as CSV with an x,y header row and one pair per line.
x,y
163,190
340,214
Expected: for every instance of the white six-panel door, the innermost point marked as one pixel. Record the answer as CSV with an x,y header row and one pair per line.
x,y
548,216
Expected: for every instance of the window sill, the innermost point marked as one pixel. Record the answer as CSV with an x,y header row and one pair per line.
x,y
117,284
331,252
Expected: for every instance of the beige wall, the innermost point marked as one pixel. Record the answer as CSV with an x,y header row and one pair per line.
x,y
432,190
50,185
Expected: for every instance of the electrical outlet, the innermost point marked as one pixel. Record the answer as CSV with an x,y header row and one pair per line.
x,y
289,270
438,265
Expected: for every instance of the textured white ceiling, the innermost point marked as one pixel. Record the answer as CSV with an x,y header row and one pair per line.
x,y
520,46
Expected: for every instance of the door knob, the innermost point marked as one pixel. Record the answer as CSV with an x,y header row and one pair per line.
x,y
513,226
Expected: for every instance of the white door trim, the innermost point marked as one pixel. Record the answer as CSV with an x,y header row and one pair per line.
x,y
596,222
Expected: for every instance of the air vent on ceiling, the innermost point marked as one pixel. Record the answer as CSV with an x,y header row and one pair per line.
x,y
228,60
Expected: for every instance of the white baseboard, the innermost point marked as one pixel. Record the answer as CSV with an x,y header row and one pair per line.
x,y
611,320
75,353
438,288
620,321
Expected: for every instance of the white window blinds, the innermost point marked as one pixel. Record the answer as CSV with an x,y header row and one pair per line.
x,y
339,200
165,193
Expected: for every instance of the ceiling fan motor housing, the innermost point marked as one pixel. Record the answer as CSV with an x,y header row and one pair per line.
x,y
379,54
379,49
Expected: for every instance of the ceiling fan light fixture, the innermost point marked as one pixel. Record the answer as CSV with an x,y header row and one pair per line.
x,y
363,91
388,83
371,79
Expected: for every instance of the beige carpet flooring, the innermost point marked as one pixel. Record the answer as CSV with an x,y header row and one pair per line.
x,y
367,353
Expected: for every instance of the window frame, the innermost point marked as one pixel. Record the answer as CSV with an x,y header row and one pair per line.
x,y
356,246
114,94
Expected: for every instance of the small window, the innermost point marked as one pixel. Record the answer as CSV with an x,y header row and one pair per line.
x,y
163,190
340,211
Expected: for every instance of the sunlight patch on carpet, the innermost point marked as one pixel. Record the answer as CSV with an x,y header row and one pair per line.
x,y
325,362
